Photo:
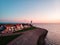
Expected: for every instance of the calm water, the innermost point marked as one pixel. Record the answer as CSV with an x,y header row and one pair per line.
x,y
53,36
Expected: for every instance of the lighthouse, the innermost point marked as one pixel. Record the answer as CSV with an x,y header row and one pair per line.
x,y
31,22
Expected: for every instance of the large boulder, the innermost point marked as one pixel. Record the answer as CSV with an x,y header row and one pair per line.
x,y
2,27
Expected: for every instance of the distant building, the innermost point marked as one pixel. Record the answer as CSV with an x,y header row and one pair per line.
x,y
9,28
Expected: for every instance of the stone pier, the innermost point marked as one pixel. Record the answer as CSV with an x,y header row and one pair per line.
x,y
31,37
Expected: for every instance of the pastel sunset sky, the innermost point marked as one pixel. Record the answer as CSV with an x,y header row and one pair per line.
x,y
39,11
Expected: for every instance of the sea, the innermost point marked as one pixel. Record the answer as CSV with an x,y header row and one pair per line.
x,y
53,36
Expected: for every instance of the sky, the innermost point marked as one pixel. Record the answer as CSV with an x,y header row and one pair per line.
x,y
39,11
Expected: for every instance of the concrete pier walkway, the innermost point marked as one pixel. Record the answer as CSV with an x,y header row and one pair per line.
x,y
31,37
